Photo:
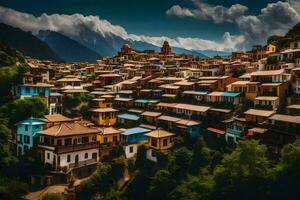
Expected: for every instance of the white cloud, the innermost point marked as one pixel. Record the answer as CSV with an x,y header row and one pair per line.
x,y
204,11
275,19
73,25
179,11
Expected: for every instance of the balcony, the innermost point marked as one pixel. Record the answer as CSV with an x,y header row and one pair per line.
x,y
77,147
83,163
268,93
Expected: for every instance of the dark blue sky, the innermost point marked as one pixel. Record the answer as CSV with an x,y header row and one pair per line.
x,y
141,16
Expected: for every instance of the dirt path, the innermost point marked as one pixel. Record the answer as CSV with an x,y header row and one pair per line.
x,y
37,195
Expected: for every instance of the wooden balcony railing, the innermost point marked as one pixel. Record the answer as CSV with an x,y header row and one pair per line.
x,y
77,147
83,163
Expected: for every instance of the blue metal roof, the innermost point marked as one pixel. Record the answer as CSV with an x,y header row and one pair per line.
x,y
230,94
129,116
32,121
136,130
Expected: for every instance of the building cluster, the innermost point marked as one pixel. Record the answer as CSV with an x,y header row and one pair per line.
x,y
148,97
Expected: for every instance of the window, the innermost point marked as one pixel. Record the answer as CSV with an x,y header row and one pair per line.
x,y
26,139
94,138
86,155
48,155
165,142
27,90
115,138
25,148
59,142
105,140
153,142
131,149
26,127
85,139
153,153
68,141
69,158
94,155
20,138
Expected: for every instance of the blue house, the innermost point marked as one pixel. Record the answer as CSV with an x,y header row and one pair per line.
x,y
235,130
130,139
31,90
128,120
26,133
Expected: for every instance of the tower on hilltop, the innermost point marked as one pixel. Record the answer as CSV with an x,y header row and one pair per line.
x,y
165,49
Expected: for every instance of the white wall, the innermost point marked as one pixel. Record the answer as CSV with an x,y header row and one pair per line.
x,y
150,157
129,154
64,157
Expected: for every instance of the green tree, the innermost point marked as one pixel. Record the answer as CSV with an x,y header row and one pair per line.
x,y
181,160
287,183
30,163
160,185
246,167
12,189
6,158
198,187
141,161
201,154
21,109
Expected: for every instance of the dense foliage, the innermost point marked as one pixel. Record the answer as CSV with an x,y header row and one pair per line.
x,y
195,173
15,172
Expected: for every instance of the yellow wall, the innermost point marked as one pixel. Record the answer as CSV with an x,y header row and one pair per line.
x,y
102,104
159,144
109,137
100,120
251,95
270,49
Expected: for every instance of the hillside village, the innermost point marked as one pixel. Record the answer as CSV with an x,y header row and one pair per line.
x,y
150,99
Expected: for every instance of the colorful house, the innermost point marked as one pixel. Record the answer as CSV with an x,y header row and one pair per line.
x,y
150,117
108,138
123,103
27,132
128,120
109,135
180,125
158,141
69,146
55,103
225,97
104,116
235,129
131,138
55,119
257,115
32,90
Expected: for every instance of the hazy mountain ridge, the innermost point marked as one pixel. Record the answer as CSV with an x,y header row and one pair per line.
x,y
66,48
26,43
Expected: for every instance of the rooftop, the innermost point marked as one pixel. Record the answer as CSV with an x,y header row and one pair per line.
x,y
57,118
256,112
159,133
129,116
136,130
286,118
68,129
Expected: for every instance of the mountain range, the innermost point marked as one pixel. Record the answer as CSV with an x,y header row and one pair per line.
x,y
87,46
